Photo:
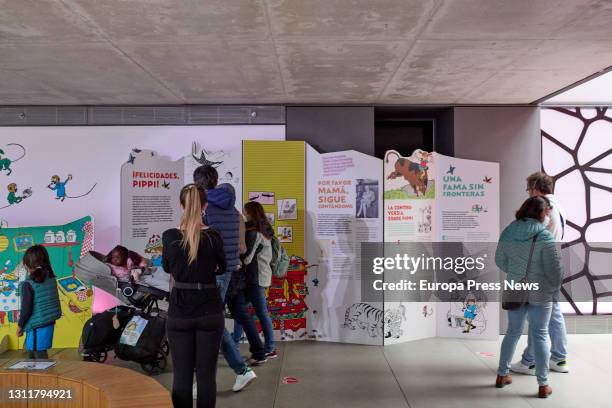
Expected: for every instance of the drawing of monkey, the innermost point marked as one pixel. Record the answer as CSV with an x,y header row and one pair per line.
x,y
59,186
5,162
12,197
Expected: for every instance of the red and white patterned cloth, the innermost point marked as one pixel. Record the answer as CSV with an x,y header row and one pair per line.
x,y
88,238
82,295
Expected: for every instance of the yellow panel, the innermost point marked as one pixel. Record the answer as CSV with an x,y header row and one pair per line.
x,y
278,167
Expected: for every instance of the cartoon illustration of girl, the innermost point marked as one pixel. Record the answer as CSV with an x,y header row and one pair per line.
x,y
59,186
131,327
423,160
469,312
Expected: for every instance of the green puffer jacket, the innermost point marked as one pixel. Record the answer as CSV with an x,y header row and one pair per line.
x,y
47,308
513,253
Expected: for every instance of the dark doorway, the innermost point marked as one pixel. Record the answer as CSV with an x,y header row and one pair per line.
x,y
405,136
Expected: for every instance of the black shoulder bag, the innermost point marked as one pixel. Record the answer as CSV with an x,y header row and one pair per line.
x,y
514,299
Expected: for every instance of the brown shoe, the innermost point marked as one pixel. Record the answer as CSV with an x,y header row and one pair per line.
x,y
502,380
544,391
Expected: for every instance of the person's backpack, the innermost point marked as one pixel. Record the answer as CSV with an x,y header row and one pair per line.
x,y
280,259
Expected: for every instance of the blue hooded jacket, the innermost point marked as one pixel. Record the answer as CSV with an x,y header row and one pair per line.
x,y
223,216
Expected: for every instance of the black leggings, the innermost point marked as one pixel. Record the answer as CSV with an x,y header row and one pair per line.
x,y
194,345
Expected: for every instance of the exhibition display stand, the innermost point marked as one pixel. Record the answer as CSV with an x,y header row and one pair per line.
x,y
324,207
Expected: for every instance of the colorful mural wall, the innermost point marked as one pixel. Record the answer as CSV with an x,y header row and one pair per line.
x,y
65,244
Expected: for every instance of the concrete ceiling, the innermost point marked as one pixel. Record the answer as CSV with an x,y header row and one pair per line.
x,y
298,51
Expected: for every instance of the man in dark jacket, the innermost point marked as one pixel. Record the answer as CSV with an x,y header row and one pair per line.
x,y
222,215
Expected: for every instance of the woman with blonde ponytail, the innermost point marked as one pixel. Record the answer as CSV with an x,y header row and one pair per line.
x,y
193,254
191,220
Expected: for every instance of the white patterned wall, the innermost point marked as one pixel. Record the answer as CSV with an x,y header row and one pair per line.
x,y
577,153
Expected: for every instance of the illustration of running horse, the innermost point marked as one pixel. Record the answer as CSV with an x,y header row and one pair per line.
x,y
413,169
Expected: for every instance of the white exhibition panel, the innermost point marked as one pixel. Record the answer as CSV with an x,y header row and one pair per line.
x,y
344,209
93,156
467,211
151,185
430,197
409,200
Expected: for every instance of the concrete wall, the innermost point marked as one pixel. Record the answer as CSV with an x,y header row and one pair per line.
x,y
507,135
330,129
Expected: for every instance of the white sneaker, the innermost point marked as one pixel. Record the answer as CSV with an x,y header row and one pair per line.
x,y
521,368
194,392
559,366
244,379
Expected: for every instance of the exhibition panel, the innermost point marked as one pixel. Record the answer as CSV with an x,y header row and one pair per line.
x,y
324,207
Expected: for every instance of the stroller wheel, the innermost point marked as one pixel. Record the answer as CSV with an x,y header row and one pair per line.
x,y
157,365
165,348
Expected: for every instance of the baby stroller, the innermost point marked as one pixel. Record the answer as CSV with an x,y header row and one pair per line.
x,y
139,302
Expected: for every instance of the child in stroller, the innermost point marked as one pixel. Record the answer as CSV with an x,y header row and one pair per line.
x,y
142,290
125,264
142,286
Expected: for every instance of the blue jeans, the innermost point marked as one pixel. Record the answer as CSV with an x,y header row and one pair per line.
x,y
228,346
558,338
257,296
238,307
538,317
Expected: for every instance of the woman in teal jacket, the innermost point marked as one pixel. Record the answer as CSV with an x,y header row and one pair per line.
x,y
512,257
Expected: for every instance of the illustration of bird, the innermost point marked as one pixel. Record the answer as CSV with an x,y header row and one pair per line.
x,y
451,170
131,159
166,185
202,160
488,179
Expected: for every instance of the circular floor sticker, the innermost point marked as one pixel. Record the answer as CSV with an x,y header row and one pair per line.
x,y
290,380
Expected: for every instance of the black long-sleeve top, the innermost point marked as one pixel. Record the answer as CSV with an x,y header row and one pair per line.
x,y
27,304
189,303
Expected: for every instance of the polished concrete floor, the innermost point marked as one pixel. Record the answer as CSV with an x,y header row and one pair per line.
x,y
431,373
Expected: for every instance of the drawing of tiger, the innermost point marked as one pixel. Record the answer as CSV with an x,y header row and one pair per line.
x,y
366,316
